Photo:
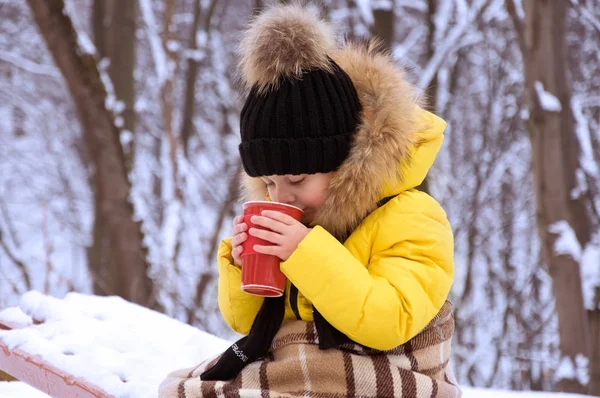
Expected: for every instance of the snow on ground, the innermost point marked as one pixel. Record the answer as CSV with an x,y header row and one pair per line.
x,y
483,393
107,340
11,389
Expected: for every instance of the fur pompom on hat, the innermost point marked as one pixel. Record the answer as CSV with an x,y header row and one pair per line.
x,y
285,42
302,108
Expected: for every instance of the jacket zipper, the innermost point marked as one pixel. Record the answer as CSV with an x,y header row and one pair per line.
x,y
294,301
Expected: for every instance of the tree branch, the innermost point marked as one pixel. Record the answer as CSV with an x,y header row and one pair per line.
x,y
511,7
13,257
29,66
451,43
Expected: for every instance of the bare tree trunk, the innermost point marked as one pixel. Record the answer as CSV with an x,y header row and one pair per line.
x,y
166,102
555,150
187,125
18,121
101,136
383,24
167,105
190,84
352,20
101,11
431,34
121,51
114,27
432,89
594,321
100,261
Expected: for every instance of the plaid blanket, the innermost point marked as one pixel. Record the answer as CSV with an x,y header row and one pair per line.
x,y
296,367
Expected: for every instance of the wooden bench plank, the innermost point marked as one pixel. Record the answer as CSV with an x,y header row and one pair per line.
x,y
42,375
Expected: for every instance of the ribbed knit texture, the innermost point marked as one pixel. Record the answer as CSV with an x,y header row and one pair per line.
x,y
303,127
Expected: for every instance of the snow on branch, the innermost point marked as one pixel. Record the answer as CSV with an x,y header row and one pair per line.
x,y
519,10
29,66
588,258
548,101
366,11
420,6
84,43
382,5
566,243
577,370
584,136
158,52
401,49
586,14
452,42
590,272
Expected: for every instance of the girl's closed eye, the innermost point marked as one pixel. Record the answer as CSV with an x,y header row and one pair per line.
x,y
298,182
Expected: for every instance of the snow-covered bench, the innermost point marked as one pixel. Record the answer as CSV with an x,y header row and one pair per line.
x,y
88,346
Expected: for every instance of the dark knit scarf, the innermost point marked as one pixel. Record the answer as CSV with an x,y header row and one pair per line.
x,y
266,324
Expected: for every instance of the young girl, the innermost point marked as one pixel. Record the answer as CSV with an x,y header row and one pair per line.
x,y
338,132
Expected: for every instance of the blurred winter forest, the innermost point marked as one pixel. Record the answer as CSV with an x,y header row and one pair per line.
x,y
119,163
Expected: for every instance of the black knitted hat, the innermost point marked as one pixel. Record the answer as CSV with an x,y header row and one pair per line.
x,y
302,109
305,126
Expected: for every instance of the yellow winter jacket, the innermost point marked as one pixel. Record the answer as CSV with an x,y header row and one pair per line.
x,y
394,269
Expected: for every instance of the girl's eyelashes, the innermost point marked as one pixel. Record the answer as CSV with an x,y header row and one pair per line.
x,y
297,182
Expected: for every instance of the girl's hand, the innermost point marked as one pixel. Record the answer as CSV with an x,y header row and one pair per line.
x,y
239,237
285,233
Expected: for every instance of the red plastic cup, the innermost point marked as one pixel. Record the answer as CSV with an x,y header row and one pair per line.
x,y
261,275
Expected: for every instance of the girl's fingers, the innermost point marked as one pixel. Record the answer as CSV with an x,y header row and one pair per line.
x,y
269,223
272,250
240,228
269,236
279,216
239,239
237,255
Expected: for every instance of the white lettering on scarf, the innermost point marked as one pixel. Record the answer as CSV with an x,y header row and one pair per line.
x,y
239,353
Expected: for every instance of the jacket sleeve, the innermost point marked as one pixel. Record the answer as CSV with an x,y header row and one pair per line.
x,y
389,300
238,307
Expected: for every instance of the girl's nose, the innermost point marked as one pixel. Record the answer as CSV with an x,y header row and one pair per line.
x,y
285,196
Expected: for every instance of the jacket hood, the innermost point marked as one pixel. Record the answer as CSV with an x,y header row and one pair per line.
x,y
395,143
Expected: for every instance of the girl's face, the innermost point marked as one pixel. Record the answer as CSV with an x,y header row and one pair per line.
x,y
306,191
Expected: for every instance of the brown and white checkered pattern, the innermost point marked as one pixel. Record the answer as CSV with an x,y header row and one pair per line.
x,y
296,367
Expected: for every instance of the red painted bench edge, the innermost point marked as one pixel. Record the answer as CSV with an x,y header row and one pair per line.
x,y
54,381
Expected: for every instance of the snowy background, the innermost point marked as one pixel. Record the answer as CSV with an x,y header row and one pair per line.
x,y
463,54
